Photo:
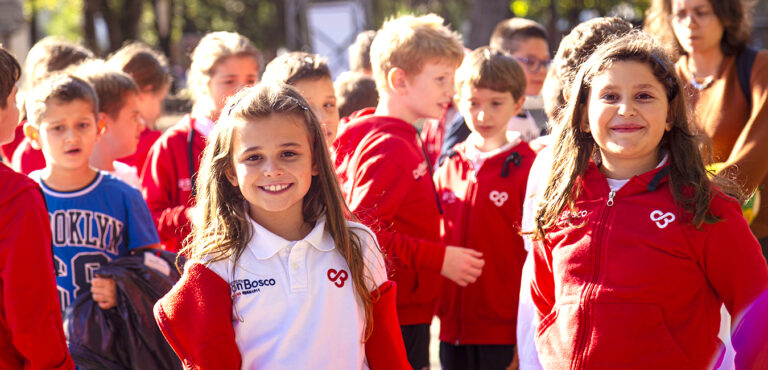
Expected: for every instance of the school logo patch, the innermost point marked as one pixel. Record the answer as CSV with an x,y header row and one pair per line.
x,y
337,277
250,286
420,171
185,184
662,219
449,197
498,198
569,218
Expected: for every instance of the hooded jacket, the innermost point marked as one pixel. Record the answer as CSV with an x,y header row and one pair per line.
x,y
483,209
166,181
387,183
626,281
31,332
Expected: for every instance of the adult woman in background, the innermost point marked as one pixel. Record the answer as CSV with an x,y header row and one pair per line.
x,y
712,37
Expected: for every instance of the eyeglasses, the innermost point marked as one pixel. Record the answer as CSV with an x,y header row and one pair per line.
x,y
533,64
698,16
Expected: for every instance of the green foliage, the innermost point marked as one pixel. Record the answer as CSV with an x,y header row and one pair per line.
x,y
60,18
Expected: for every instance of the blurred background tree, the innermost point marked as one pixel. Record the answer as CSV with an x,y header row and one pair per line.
x,y
174,26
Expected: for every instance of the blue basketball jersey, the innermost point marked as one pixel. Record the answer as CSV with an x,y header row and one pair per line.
x,y
92,226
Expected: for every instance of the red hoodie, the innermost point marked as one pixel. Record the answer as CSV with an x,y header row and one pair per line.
x,y
388,185
483,208
26,158
638,286
166,184
31,332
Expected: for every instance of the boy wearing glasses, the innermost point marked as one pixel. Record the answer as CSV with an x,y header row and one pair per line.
x,y
527,42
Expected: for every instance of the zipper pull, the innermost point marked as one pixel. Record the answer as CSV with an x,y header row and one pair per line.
x,y
610,197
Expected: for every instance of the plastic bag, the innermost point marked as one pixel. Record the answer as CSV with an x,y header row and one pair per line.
x,y
126,336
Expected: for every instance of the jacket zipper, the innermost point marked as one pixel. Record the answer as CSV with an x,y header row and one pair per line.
x,y
578,359
469,197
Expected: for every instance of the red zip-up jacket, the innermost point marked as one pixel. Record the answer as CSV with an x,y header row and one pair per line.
x,y
638,286
166,184
31,332
196,319
388,185
482,210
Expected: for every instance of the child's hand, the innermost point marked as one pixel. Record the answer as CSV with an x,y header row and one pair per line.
x,y
104,292
462,265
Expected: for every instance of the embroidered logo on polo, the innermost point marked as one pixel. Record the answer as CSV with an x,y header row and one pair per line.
x,y
498,198
662,219
248,286
337,277
420,171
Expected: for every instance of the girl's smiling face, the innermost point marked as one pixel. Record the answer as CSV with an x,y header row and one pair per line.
x,y
627,115
273,168
230,75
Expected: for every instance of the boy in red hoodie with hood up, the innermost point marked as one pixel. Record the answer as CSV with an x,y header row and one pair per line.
x,y
386,177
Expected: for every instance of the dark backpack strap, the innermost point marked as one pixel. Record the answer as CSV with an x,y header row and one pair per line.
x,y
744,62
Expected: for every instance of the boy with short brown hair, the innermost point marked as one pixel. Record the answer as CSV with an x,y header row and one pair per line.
x,y
311,76
387,179
94,217
119,117
481,186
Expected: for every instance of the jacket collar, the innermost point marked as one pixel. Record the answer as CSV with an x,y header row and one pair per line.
x,y
648,181
264,244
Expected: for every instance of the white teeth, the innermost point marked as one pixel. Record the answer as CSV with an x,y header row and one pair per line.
x,y
275,187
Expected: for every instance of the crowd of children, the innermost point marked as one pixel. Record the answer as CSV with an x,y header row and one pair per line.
x,y
554,213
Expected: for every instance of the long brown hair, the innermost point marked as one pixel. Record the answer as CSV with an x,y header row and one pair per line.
x,y
221,226
573,149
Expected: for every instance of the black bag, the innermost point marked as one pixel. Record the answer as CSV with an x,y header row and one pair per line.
x,y
126,336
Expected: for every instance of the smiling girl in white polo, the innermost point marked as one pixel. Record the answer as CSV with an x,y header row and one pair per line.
x,y
277,277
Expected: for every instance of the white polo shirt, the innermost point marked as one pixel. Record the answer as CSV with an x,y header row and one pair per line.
x,y
296,303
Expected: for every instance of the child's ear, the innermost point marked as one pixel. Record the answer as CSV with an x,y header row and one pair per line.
x,y
315,169
519,104
229,172
397,80
33,134
102,123
584,119
566,95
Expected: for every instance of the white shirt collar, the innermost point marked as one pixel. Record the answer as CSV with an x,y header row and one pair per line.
x,y
264,244
203,125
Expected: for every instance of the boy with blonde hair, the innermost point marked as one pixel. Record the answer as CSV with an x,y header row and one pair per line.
x,y
481,185
387,179
94,217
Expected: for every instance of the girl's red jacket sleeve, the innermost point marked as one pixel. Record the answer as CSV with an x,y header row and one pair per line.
x,y
385,348
196,320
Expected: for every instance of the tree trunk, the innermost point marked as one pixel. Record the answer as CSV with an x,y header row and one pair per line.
x,y
129,21
163,21
483,17
90,7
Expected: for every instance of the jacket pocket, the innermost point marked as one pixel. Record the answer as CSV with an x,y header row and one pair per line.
x,y
632,336
556,335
